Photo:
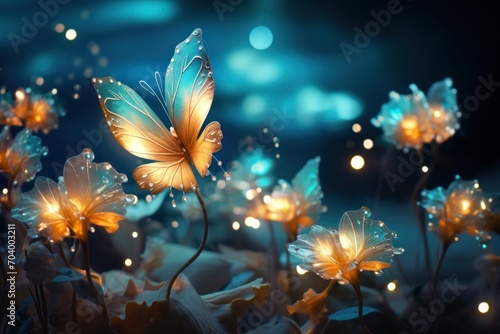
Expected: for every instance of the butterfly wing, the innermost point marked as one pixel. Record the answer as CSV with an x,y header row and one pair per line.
x,y
137,129
189,91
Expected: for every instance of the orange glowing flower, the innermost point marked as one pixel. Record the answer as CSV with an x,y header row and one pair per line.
x,y
460,208
39,112
359,244
313,304
416,119
88,193
299,204
7,110
20,158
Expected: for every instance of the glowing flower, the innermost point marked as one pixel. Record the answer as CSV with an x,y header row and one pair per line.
x,y
39,112
299,204
20,158
7,110
413,120
252,170
88,193
359,244
460,208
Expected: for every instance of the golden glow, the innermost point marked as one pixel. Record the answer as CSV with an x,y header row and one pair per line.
x,y
252,222
409,130
425,169
357,162
71,34
483,205
54,91
236,226
250,194
128,262
437,113
59,28
5,191
368,144
20,95
356,128
483,307
135,234
465,206
391,286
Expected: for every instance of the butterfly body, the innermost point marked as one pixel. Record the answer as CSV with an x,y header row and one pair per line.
x,y
189,90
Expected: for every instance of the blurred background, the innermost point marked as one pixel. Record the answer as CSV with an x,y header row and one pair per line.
x,y
298,69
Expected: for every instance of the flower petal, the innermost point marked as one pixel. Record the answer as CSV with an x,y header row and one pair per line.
x,y
96,189
46,207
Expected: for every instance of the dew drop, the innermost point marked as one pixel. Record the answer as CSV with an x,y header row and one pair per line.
x,y
227,176
399,251
214,178
88,154
219,163
174,203
92,229
171,195
184,198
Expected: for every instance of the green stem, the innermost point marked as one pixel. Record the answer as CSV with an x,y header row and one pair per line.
x,y
100,299
198,251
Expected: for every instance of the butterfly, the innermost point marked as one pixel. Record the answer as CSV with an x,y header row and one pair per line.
x,y
189,91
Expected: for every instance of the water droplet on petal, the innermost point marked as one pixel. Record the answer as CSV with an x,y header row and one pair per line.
x,y
174,203
227,176
88,154
184,198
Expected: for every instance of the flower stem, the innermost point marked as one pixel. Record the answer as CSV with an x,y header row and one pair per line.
x,y
100,299
198,251
359,296
444,248
43,302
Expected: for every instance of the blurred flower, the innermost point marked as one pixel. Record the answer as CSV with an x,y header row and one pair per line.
x,y
460,208
489,266
313,304
299,204
359,244
40,265
88,193
413,120
153,255
39,112
20,158
252,170
7,110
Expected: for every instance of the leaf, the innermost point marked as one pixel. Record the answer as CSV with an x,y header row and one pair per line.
x,y
351,313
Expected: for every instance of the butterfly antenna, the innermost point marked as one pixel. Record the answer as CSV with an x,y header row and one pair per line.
x,y
151,91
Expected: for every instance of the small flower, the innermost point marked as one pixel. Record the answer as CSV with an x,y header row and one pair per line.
x,y
20,158
40,265
39,112
298,204
88,193
460,208
413,120
7,110
313,304
359,244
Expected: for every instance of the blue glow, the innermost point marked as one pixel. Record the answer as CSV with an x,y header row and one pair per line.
x,y
313,105
135,11
261,37
253,68
254,105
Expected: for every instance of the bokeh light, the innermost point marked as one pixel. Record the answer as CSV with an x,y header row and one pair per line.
x,y
70,34
261,37
357,162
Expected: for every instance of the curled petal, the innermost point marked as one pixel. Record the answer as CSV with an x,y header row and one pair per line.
x,y
320,251
46,207
96,190
313,304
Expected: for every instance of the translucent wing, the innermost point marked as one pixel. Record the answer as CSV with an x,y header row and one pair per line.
x,y
306,185
137,128
208,143
189,89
